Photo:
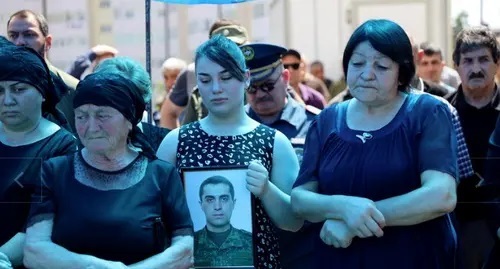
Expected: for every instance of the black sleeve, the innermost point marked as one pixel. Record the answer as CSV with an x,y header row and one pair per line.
x,y
67,144
42,200
176,212
179,94
311,156
492,164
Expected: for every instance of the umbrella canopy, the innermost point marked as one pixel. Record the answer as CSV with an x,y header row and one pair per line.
x,y
197,2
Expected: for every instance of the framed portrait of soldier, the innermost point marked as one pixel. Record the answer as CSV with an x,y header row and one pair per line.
x,y
221,209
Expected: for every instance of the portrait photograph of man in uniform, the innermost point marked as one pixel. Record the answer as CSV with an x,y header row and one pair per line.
x,y
222,225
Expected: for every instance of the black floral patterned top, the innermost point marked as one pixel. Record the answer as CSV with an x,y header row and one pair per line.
x,y
197,148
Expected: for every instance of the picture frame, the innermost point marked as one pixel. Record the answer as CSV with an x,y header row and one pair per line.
x,y
221,209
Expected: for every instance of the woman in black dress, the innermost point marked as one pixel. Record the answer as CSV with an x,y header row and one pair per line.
x,y
113,204
26,139
227,136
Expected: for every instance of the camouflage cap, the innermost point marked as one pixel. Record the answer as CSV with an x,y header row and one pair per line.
x,y
237,34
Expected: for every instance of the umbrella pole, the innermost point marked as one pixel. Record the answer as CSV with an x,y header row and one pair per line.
x,y
149,106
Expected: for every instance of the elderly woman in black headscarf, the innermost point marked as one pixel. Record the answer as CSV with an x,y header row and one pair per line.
x,y
26,139
138,76
118,205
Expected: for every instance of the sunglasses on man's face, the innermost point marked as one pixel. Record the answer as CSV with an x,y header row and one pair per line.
x,y
267,86
295,66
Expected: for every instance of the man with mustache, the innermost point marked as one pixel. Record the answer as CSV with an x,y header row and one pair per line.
x,y
219,243
30,29
270,102
477,100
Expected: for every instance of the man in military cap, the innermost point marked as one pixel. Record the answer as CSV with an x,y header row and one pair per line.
x,y
270,102
219,243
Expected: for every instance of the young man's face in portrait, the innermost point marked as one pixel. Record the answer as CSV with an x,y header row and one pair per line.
x,y
217,204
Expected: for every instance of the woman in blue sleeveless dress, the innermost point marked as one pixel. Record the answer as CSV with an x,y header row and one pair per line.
x,y
379,170
227,136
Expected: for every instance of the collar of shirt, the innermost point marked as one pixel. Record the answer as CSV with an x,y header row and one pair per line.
x,y
459,100
305,92
290,113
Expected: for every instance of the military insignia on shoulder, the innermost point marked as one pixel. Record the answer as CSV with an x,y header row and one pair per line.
x,y
248,53
313,109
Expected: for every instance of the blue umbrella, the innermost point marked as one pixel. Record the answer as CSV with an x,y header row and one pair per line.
x,y
197,2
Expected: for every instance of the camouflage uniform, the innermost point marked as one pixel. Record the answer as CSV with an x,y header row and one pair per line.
x,y
237,249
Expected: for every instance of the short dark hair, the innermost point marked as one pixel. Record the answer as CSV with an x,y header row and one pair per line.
x,y
214,180
473,38
221,23
388,38
225,53
430,49
318,63
292,52
43,26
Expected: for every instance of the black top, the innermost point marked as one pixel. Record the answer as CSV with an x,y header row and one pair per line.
x,y
183,88
128,225
477,124
154,134
19,172
196,148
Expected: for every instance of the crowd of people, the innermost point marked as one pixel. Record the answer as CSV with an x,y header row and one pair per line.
x,y
395,166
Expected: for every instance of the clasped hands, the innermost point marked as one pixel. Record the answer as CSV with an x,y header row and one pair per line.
x,y
4,262
360,218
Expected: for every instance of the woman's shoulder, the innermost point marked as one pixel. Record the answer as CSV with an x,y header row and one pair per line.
x,y
422,105
330,117
423,100
59,163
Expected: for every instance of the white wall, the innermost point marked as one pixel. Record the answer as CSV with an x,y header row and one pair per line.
x,y
320,29
68,24
277,22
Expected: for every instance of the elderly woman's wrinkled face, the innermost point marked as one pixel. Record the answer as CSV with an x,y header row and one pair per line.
x,y
372,77
101,128
221,92
20,105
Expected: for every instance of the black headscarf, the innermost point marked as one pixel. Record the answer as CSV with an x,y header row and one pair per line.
x,y
104,88
23,64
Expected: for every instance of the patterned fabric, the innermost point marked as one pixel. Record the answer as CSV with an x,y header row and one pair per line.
x,y
235,251
464,164
116,180
196,148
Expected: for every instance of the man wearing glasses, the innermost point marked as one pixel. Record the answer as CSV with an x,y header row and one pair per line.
x,y
292,61
270,102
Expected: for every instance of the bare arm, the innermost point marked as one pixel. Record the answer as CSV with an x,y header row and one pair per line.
x,y
178,256
436,197
276,200
14,249
41,253
167,150
170,114
315,207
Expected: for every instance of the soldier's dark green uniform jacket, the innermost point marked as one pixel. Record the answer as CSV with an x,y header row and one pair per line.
x,y
237,249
